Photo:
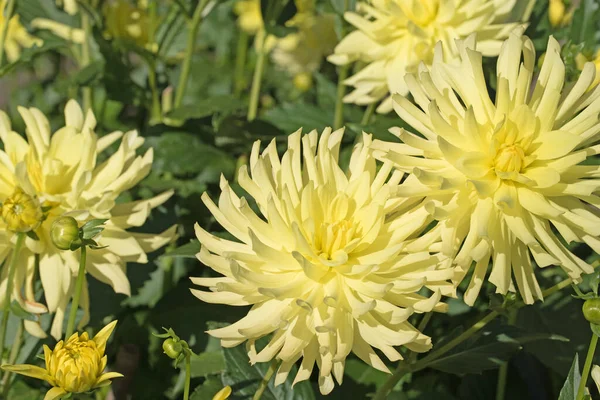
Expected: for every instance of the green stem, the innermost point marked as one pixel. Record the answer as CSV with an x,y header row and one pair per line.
x,y
85,58
8,13
12,358
240,63
188,376
155,114
587,366
265,381
368,114
77,293
503,372
257,78
338,119
193,26
12,267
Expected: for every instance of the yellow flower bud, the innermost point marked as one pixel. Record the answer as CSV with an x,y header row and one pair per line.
x,y
21,212
556,12
223,394
303,81
64,232
172,348
74,366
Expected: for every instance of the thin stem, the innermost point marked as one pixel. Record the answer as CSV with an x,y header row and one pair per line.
x,y
156,112
8,13
503,371
587,366
368,114
257,78
12,267
76,294
14,352
265,381
240,63
85,58
193,26
338,119
188,376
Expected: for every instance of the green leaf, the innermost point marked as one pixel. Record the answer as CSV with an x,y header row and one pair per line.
x,y
275,14
245,378
206,107
363,373
488,350
207,390
89,74
182,153
19,312
29,54
290,117
207,363
569,389
595,329
583,26
188,250
20,391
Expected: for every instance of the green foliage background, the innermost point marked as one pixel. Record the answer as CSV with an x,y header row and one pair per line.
x,y
212,139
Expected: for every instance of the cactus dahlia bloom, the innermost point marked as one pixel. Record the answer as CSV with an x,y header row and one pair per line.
x,y
62,172
74,366
394,36
507,175
331,265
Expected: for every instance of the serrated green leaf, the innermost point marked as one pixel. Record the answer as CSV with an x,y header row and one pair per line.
x,y
571,385
245,378
207,363
207,390
188,250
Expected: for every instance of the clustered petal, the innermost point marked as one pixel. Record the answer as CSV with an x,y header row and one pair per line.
x,y
331,264
74,366
62,171
506,175
394,36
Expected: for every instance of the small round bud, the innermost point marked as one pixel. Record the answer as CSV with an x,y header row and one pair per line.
x,y
303,81
591,310
64,232
556,12
172,348
21,212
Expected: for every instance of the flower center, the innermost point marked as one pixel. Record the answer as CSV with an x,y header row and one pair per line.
x,y
509,158
334,237
422,12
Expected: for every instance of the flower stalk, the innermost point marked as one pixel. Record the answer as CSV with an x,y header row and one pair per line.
x,y
85,58
587,366
9,288
265,381
257,77
188,376
77,293
193,26
240,63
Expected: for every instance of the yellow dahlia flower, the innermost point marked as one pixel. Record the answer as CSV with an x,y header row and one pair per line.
x,y
21,212
331,265
303,51
74,366
130,21
506,175
17,36
62,172
394,36
249,16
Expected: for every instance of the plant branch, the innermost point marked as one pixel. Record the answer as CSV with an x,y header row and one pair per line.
x,y
77,293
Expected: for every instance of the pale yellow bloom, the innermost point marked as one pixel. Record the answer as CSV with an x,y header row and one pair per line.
x,y
506,175
63,172
581,60
249,16
17,36
331,265
223,394
74,366
21,212
394,36
129,20
304,50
